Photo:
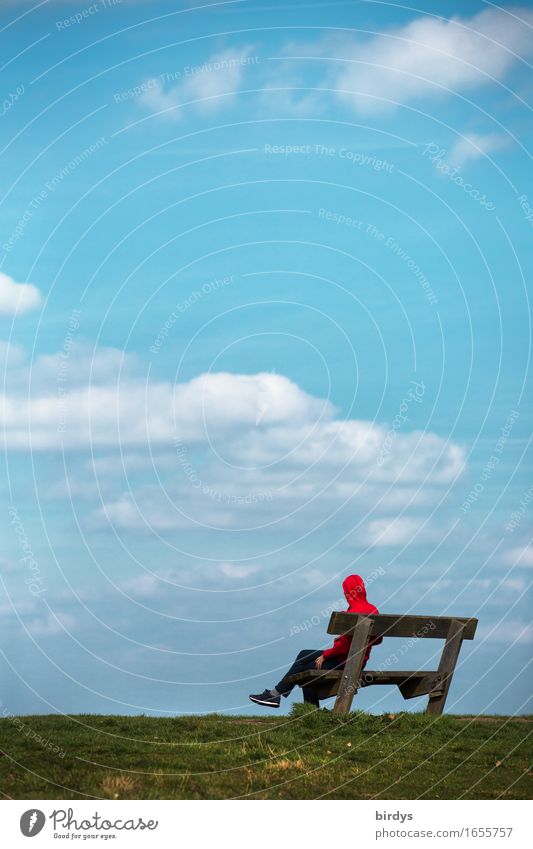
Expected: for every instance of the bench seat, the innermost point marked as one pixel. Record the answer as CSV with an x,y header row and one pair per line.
x,y
410,684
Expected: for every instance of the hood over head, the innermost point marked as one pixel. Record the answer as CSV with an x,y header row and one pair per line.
x,y
355,591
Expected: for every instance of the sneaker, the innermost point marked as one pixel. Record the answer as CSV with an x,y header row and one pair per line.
x,y
266,698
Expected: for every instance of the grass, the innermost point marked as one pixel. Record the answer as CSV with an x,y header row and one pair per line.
x,y
307,755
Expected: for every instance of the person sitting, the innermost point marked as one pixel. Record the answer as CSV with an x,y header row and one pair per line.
x,y
333,658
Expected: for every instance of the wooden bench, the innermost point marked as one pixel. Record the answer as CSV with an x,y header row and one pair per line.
x,y
345,682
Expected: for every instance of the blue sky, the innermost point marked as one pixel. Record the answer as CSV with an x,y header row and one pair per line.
x,y
264,322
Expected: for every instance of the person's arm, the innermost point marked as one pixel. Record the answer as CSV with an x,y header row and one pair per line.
x,y
339,647
342,645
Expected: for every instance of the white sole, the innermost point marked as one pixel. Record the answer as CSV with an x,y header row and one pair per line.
x,y
265,704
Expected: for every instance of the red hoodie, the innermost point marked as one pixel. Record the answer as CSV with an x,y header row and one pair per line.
x,y
355,592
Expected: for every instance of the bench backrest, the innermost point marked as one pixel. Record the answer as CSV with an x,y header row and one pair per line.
x,y
400,625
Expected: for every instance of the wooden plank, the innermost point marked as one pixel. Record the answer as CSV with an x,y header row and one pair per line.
x,y
312,675
324,682
368,676
353,666
397,678
415,686
399,625
327,689
448,659
411,683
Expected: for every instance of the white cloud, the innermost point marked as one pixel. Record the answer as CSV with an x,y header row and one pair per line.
x,y
157,584
209,86
148,509
52,624
474,146
521,555
232,570
428,57
221,450
392,531
17,298
144,585
508,631
7,566
117,409
11,354
102,400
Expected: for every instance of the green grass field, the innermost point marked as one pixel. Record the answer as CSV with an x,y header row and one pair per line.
x,y
308,755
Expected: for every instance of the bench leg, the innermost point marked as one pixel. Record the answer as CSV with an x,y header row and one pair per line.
x,y
310,696
353,666
448,659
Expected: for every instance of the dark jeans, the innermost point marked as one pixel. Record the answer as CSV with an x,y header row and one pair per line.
x,y
304,661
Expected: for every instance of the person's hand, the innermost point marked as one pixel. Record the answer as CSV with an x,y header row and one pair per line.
x,y
319,661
